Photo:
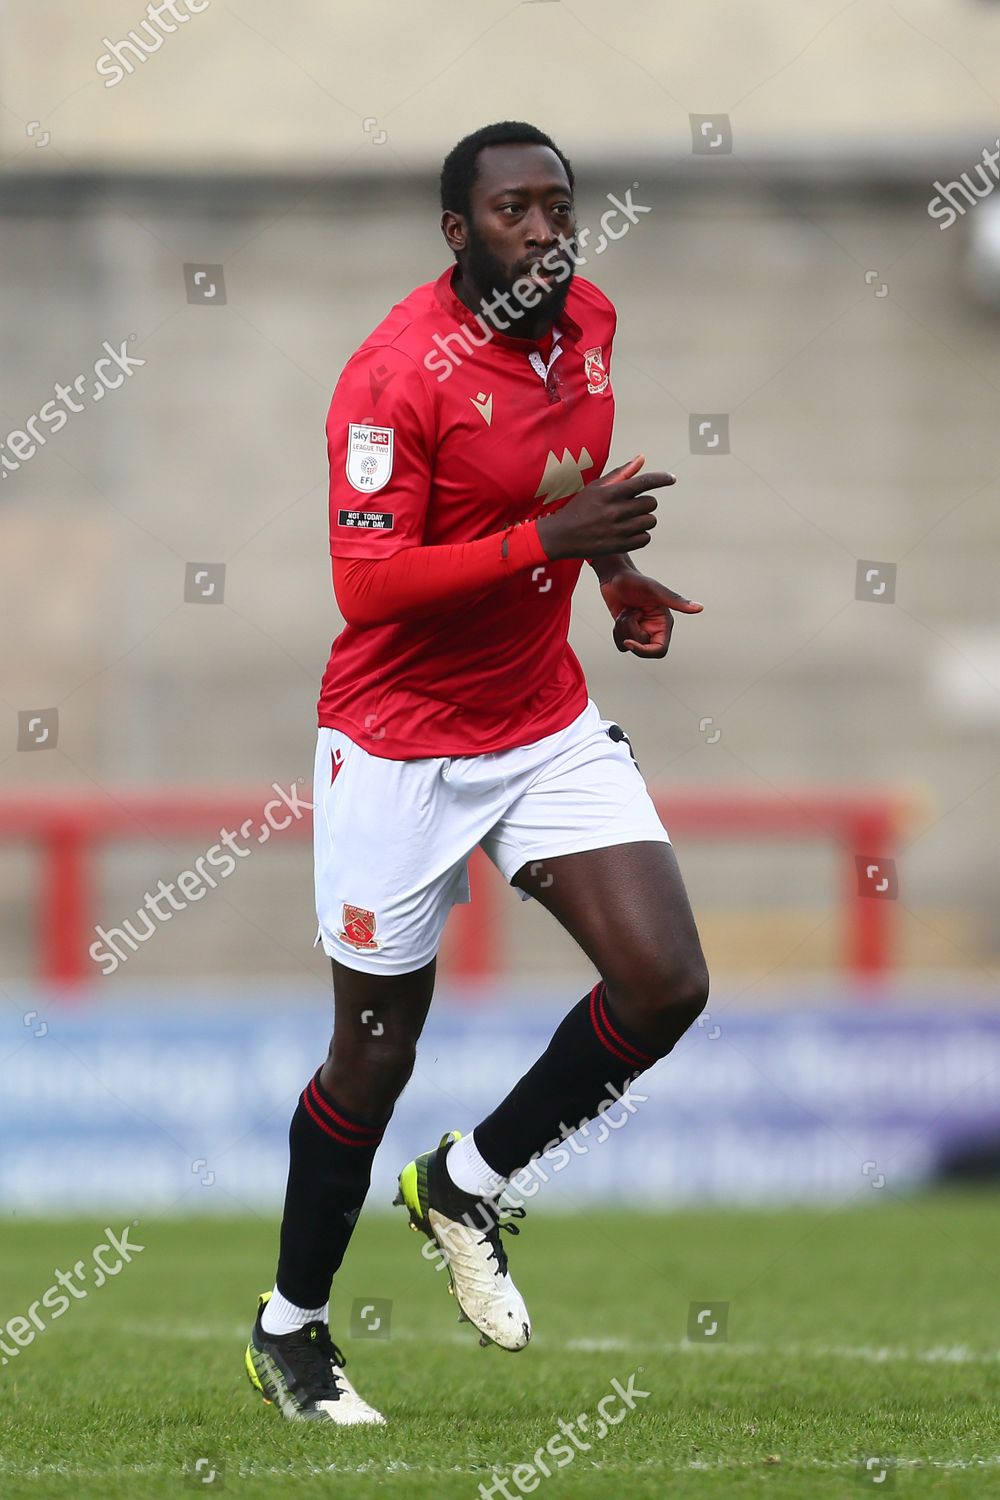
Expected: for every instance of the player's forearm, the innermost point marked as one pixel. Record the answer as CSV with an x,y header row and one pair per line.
x,y
611,563
420,581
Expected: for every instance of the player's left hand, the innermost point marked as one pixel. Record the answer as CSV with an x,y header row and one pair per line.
x,y
642,610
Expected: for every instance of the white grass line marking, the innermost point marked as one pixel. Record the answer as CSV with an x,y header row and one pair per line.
x,y
954,1354
305,1469
873,1354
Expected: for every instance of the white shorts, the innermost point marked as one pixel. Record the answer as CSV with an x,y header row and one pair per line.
x,y
391,838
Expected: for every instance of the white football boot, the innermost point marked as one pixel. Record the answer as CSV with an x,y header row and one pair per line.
x,y
466,1231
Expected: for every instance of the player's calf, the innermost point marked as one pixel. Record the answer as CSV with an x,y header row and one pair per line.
x,y
593,1052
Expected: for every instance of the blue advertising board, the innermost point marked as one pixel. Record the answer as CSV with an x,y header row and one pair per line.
x,y
179,1107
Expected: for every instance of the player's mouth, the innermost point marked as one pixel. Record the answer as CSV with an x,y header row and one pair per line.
x,y
541,275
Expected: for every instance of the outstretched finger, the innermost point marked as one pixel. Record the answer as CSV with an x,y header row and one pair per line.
x,y
682,605
654,479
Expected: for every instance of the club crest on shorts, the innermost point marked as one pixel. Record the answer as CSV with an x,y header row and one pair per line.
x,y
594,367
369,456
359,927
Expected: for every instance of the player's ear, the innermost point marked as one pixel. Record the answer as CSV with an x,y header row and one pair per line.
x,y
453,227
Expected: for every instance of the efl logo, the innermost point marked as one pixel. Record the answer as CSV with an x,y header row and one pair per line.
x,y
369,457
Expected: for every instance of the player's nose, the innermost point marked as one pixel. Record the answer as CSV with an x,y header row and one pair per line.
x,y
538,232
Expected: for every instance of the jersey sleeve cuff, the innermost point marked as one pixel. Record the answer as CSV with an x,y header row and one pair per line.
x,y
524,546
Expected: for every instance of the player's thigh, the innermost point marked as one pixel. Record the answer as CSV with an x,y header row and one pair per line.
x,y
627,908
390,1009
586,840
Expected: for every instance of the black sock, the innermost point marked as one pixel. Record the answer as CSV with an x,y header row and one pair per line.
x,y
329,1172
589,1054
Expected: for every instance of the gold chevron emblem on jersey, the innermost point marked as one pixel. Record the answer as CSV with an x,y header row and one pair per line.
x,y
484,406
563,476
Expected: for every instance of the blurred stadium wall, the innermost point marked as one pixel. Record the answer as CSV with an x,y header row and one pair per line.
x,y
788,279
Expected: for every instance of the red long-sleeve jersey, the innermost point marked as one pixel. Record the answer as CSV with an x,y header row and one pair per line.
x,y
443,432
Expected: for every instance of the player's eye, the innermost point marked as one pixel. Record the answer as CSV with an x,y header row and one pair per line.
x,y
513,207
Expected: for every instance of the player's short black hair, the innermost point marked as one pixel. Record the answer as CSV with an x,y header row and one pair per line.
x,y
459,170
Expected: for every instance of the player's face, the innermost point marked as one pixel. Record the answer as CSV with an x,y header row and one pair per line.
x,y
521,203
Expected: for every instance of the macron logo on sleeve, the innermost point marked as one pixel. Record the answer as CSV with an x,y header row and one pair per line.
x,y
369,457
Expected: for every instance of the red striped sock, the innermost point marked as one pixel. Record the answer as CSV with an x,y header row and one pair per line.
x,y
329,1171
336,1123
590,1059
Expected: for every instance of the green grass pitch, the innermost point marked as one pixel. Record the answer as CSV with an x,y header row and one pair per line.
x,y
866,1332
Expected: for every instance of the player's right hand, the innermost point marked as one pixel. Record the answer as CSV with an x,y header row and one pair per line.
x,y
611,514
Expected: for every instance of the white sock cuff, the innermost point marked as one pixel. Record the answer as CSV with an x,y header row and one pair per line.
x,y
281,1316
468,1170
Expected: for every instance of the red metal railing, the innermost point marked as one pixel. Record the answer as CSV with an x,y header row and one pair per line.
x,y
68,827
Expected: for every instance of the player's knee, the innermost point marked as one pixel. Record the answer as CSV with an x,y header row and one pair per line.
x,y
686,992
371,1076
389,1068
386,1070
662,999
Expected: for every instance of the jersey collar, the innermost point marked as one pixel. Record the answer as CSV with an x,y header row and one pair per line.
x,y
569,330
542,363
